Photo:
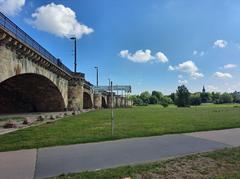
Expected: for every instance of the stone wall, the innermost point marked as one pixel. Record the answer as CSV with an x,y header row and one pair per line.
x,y
11,65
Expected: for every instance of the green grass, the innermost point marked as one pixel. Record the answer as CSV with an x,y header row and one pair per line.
x,y
132,122
221,164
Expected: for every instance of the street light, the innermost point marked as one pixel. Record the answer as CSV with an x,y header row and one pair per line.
x,y
112,115
75,53
109,84
97,75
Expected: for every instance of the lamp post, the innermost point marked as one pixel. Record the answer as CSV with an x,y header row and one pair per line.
x,y
97,75
109,84
112,115
75,53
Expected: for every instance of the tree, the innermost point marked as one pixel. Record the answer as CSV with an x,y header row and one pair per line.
x,y
153,100
226,98
173,97
236,97
183,97
216,97
158,94
145,97
205,97
195,99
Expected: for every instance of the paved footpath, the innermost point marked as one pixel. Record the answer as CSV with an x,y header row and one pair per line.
x,y
53,161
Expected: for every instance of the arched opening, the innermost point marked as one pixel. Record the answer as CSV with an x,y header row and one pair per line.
x,y
29,93
87,101
104,104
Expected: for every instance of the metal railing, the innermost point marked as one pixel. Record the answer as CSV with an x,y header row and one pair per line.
x,y
18,33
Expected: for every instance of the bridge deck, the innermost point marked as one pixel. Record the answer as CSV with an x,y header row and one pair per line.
x,y
8,26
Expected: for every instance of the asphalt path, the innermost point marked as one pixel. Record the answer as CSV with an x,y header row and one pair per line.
x,y
53,161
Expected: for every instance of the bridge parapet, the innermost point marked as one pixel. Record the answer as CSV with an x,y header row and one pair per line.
x,y
14,37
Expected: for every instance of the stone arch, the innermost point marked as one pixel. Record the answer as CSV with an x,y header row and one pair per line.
x,y
104,103
87,101
30,92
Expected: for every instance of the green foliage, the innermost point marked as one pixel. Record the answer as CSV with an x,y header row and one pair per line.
x,y
137,101
216,97
236,97
226,98
205,97
158,94
173,97
195,99
145,97
183,97
165,101
153,100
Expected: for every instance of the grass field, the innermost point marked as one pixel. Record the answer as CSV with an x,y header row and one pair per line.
x,y
222,164
132,122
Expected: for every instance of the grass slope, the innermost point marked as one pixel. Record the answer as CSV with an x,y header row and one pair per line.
x,y
132,122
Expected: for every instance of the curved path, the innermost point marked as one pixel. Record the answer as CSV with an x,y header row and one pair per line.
x,y
52,161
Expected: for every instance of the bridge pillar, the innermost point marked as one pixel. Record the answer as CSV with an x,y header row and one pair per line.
x,y
75,93
129,103
118,101
122,101
109,101
97,100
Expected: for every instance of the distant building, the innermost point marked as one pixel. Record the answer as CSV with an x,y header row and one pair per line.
x,y
203,90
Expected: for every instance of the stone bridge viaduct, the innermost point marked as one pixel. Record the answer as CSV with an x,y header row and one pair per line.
x,y
33,80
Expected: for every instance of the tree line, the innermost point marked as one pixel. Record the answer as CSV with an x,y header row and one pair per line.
x,y
183,98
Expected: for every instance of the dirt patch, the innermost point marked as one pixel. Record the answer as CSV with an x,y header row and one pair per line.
x,y
191,167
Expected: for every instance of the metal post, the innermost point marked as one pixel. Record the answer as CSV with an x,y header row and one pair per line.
x,y
117,90
112,116
75,56
97,75
109,84
75,53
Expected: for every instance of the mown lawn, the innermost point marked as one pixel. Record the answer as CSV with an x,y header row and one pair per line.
x,y
222,164
132,122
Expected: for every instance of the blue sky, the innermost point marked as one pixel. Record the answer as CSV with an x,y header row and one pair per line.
x,y
149,44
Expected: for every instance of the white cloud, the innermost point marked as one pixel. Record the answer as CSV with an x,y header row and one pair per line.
x,y
188,67
182,82
124,53
11,7
195,52
140,56
171,68
222,75
196,75
58,20
161,57
220,43
212,88
229,66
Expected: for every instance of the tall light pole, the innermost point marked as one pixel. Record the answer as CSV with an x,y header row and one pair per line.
x,y
75,53
97,75
112,115
109,84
